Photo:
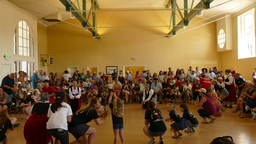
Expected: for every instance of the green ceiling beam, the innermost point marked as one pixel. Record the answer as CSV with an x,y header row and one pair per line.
x,y
84,8
203,4
185,7
80,16
173,12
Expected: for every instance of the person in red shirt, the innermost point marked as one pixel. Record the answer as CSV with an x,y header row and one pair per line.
x,y
50,90
205,82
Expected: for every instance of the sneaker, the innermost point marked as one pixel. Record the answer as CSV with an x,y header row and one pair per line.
x,y
161,142
189,131
152,141
179,134
16,125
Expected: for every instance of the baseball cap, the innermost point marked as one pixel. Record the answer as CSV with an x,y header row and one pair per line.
x,y
59,97
203,90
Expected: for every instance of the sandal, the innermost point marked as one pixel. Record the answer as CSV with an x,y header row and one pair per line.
x,y
212,120
241,116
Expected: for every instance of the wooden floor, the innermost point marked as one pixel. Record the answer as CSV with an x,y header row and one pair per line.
x,y
241,129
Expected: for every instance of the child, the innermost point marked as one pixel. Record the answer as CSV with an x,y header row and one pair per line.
x,y
5,123
189,118
179,123
117,108
171,97
154,118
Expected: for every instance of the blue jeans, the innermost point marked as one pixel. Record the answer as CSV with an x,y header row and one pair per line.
x,y
60,134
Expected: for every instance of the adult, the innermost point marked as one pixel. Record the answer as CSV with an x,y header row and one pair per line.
x,y
88,74
114,75
208,107
197,72
240,83
229,85
41,76
8,83
220,90
211,75
49,89
148,95
59,114
35,80
189,70
161,76
117,87
191,76
76,76
249,99
143,84
195,87
154,118
4,100
138,76
21,78
95,77
75,94
66,76
169,70
129,77
205,82
126,91
104,77
35,126
78,126
216,71
254,73
144,74
157,87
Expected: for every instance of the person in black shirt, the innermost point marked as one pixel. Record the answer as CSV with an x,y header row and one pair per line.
x,y
179,123
78,126
170,97
189,118
240,83
154,118
26,103
5,123
117,110
221,91
114,75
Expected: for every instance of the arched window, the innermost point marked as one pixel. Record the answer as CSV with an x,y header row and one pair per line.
x,y
23,40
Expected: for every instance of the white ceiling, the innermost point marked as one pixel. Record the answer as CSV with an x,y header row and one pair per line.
x,y
42,8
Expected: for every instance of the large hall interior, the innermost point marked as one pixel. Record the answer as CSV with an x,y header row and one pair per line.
x,y
132,35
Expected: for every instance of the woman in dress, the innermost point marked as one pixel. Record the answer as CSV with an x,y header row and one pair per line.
x,y
208,107
35,127
229,85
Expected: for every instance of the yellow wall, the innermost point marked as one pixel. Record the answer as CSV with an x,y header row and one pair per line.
x,y
230,58
42,44
70,45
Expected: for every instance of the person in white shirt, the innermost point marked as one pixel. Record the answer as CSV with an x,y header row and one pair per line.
x,y
59,114
148,94
66,76
197,72
75,97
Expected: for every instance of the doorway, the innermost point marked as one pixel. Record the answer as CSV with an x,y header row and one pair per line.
x,y
93,69
133,69
5,70
72,69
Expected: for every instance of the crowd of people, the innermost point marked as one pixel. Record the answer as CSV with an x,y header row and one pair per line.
x,y
54,97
